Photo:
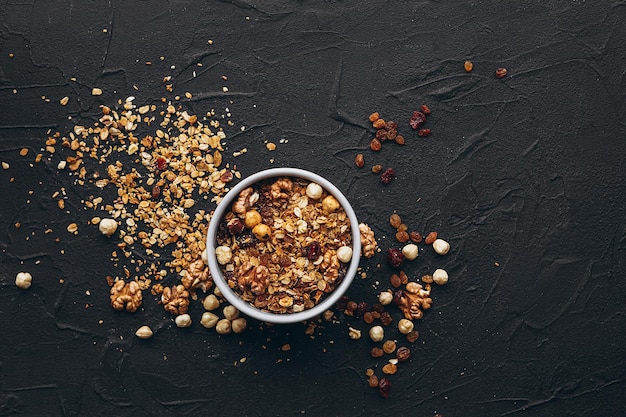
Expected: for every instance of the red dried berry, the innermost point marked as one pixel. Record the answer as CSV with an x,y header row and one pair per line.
x,y
161,163
417,119
397,297
395,257
425,109
387,176
384,385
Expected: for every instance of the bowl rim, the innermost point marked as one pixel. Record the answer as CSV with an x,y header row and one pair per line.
x,y
218,278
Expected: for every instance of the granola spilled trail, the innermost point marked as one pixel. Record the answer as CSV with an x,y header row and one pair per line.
x,y
294,262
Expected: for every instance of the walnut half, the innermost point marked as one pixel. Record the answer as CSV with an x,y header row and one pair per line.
x,y
126,296
175,299
368,241
414,301
197,276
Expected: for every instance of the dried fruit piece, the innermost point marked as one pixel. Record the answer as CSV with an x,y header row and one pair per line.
x,y
375,145
424,132
417,119
376,169
387,176
430,238
374,116
468,66
359,161
395,257
501,72
395,220
403,354
384,385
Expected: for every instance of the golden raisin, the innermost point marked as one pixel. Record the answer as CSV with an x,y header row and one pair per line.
x,y
377,352
368,317
430,238
377,168
395,281
501,72
390,369
389,346
395,220
379,124
412,336
400,140
416,237
404,278
402,236
359,161
375,145
374,116
373,381
468,66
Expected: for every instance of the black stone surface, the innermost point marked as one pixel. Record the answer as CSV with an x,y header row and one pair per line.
x,y
523,175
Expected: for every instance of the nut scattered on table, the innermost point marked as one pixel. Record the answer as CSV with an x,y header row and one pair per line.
x,y
23,280
126,295
144,332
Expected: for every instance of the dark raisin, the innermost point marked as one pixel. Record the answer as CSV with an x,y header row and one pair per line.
x,y
417,119
387,176
385,318
395,257
341,303
397,297
403,354
392,125
361,308
384,385
156,192
313,251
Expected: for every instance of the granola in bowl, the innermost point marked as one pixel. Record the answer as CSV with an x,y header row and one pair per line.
x,y
283,245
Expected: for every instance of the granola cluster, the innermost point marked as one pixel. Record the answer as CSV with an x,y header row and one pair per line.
x,y
279,245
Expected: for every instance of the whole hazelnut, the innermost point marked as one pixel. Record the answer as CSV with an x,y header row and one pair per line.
x,y
314,191
385,298
252,218
441,246
377,333
23,280
330,204
410,251
107,227
262,231
183,320
344,254
223,326
239,325
209,320
230,313
144,332
440,277
210,302
405,326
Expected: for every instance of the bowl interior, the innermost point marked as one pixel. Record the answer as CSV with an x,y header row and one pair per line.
x,y
225,205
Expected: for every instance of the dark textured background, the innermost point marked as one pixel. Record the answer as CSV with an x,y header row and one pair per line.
x,y
526,172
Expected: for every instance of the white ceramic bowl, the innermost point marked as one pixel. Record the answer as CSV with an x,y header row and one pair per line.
x,y
232,297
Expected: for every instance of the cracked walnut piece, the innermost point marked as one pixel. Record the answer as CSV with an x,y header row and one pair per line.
x,y
175,299
414,300
196,276
126,296
368,241
255,278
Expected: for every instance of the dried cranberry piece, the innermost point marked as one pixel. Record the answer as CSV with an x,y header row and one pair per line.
x,y
417,119
384,385
313,251
387,176
395,257
161,163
